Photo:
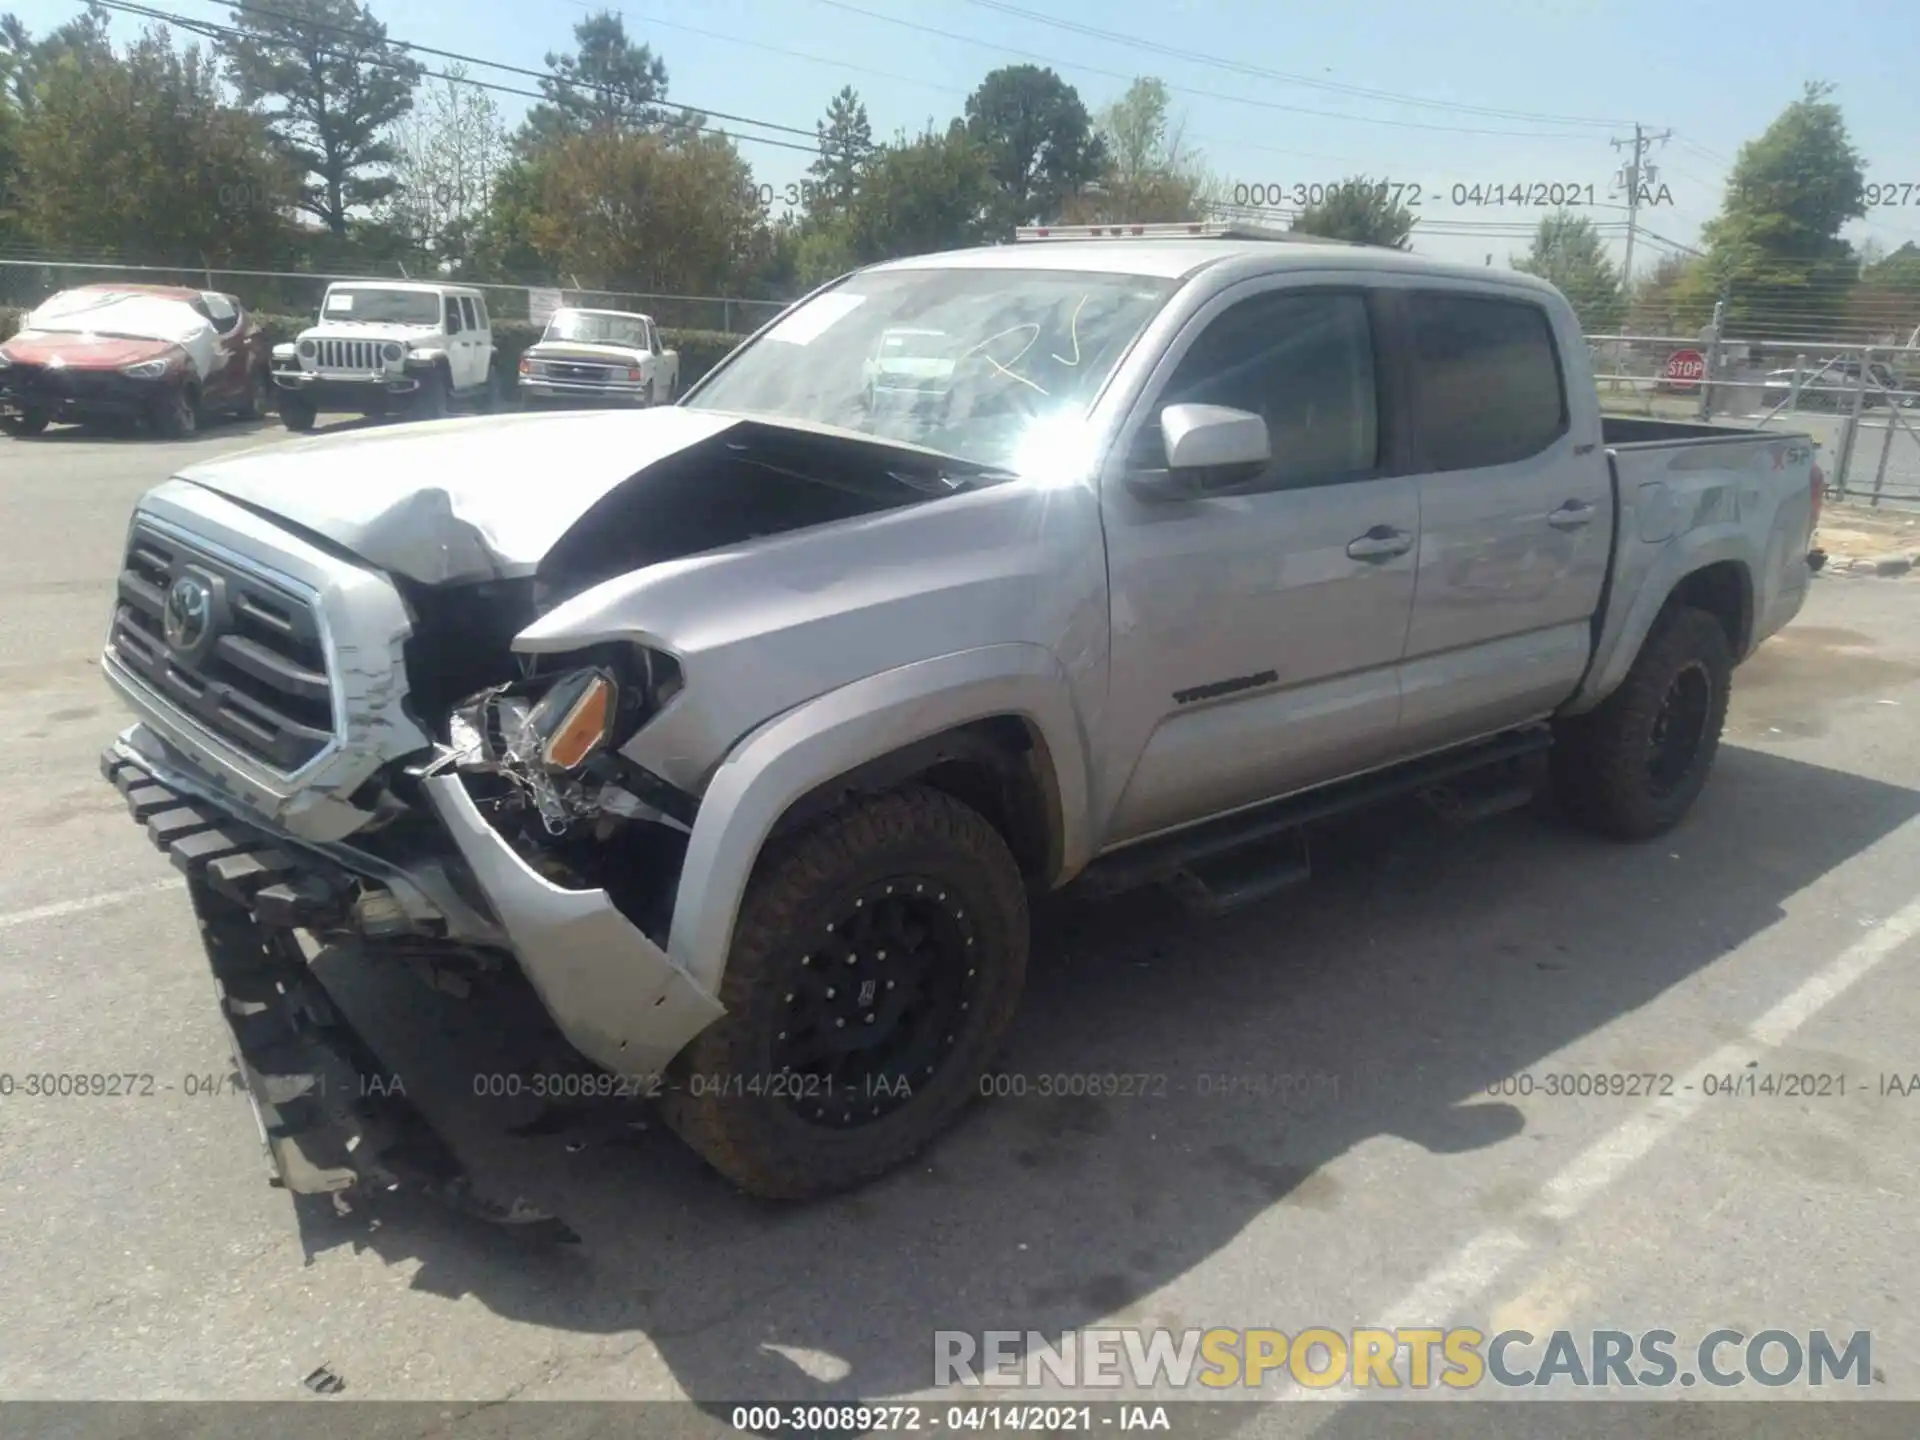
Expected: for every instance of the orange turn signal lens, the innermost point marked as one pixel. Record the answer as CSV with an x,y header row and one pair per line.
x,y
573,718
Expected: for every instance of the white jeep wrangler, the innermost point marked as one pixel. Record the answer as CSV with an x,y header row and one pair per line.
x,y
389,347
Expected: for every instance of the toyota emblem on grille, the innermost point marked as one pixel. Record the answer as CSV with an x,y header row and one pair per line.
x,y
189,612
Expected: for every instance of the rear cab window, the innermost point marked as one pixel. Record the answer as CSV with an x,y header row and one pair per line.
x,y
1487,379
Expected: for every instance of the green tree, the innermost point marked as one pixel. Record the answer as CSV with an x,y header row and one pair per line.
x,y
610,82
936,191
1775,249
13,44
846,145
1040,143
329,84
448,152
650,212
1886,305
1568,251
1670,299
1152,176
1360,210
142,155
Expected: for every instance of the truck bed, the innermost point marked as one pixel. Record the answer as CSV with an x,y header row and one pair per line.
x,y
1736,503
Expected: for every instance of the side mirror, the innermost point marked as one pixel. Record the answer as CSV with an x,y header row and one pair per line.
x,y
1209,447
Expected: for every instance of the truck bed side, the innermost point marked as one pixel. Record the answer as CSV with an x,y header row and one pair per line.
x,y
1724,516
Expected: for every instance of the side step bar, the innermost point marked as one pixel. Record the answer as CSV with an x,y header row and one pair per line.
x,y
330,1115
1233,861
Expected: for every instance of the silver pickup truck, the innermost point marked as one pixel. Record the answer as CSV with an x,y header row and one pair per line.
x,y
742,730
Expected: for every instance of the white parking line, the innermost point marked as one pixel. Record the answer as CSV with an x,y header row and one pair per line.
x,y
1472,1270
54,911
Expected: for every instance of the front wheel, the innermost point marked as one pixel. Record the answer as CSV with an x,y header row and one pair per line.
x,y
430,400
28,422
1632,767
876,964
176,414
296,412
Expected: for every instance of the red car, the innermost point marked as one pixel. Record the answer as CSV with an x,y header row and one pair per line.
x,y
161,353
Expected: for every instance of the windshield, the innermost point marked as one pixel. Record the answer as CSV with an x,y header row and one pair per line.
x,y
117,312
996,354
365,305
584,328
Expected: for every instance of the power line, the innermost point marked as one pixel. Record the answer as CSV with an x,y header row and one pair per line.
x,y
214,30
645,19
1190,90
1261,72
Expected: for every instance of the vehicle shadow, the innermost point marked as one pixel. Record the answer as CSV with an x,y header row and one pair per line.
x,y
1420,965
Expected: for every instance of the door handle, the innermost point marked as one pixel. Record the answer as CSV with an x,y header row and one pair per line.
x,y
1571,516
1382,542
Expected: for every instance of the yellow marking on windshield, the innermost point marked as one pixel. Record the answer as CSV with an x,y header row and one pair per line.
x,y
1073,330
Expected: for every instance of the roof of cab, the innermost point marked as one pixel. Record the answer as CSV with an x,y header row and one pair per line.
x,y
1180,259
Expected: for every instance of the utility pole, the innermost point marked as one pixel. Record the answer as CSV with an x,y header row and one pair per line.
x,y
1636,174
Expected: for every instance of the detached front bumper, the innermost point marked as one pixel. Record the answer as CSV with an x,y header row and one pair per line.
x,y
328,1120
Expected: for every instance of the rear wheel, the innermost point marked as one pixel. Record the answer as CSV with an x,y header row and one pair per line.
x,y
876,964
258,398
23,423
1632,767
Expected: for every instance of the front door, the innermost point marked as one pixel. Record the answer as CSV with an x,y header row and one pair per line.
x,y
1256,633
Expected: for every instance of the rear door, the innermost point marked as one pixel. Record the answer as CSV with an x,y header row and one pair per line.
x,y
473,351
1515,511
1256,631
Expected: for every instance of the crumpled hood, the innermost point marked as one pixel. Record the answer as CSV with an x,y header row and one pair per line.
x,y
455,500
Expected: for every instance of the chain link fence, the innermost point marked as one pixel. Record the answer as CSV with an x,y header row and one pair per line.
x,y
1860,403
26,282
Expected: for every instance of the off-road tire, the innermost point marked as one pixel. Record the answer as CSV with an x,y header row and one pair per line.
x,y
175,415
296,412
1600,763
761,1142
26,423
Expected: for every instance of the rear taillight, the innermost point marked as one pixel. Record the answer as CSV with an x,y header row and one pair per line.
x,y
1819,488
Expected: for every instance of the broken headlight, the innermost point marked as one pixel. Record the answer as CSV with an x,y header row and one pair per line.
x,y
543,734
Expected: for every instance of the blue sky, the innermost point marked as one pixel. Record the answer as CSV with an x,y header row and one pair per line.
x,y
1566,76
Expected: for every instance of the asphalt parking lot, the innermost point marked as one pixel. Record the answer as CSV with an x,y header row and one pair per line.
x,y
1341,1134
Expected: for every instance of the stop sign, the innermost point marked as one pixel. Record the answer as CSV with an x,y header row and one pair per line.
x,y
1686,368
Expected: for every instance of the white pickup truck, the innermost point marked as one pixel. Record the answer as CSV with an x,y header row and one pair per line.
x,y
599,355
741,731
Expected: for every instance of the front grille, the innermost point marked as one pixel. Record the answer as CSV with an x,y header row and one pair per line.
x,y
348,354
258,679
568,370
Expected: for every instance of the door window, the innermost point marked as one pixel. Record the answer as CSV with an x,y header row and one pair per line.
x,y
1302,361
453,316
1488,375
466,311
